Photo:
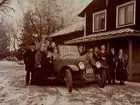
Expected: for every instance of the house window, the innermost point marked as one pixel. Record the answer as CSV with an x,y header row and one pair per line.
x,y
126,14
99,21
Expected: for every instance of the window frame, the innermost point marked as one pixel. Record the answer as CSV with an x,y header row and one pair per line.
x,y
134,14
93,23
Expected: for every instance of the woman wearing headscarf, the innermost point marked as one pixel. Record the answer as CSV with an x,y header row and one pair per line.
x,y
121,67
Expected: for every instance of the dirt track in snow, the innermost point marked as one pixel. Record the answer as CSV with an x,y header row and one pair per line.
x,y
14,92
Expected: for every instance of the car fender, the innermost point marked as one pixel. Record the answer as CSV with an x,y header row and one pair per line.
x,y
73,67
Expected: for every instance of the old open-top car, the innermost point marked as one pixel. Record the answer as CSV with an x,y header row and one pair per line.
x,y
73,67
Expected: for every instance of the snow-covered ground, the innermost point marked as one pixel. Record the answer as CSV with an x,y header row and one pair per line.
x,y
14,92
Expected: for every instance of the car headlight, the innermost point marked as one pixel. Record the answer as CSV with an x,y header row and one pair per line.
x,y
81,65
98,64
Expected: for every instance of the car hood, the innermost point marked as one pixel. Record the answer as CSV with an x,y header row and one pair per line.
x,y
75,60
59,63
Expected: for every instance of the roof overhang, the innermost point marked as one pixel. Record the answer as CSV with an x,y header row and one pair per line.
x,y
105,35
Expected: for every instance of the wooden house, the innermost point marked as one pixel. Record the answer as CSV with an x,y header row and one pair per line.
x,y
114,23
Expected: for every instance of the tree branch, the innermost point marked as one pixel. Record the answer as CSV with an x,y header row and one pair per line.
x,y
4,2
34,25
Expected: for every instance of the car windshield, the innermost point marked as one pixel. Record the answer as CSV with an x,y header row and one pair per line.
x,y
68,51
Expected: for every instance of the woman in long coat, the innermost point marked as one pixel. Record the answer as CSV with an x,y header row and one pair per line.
x,y
38,68
121,69
47,64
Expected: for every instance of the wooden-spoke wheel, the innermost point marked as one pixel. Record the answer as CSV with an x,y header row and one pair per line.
x,y
68,80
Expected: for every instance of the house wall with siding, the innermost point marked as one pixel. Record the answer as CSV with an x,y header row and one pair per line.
x,y
99,5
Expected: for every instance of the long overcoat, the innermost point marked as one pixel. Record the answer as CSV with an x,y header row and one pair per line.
x,y
121,69
112,61
29,60
39,74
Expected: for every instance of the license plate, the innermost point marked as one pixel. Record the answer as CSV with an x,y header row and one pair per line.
x,y
89,71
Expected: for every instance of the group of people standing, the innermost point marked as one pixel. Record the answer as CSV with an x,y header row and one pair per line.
x,y
116,63
39,62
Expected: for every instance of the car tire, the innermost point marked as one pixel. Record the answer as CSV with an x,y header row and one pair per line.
x,y
68,80
102,82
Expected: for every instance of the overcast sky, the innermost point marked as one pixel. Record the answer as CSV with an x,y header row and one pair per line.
x,y
22,5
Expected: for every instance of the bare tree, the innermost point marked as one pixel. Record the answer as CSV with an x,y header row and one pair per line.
x,y
48,19
4,2
13,34
71,9
4,6
42,19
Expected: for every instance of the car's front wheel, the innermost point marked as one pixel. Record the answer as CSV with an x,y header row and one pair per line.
x,y
102,80
68,80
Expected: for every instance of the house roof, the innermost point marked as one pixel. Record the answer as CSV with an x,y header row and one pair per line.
x,y
106,35
82,13
76,27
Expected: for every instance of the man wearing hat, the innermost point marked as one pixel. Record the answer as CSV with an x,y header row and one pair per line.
x,y
29,60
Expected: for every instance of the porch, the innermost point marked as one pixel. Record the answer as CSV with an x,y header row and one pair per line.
x,y
127,39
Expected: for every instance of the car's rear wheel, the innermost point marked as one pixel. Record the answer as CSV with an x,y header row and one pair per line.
x,y
68,80
102,80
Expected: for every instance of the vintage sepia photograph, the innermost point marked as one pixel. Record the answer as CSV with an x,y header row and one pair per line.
x,y
69,52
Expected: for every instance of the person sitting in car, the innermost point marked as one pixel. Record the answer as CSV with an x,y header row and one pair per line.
x,y
56,54
96,53
51,47
81,50
89,56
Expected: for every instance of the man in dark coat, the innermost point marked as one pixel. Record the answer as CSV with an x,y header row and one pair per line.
x,y
81,50
112,65
29,60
